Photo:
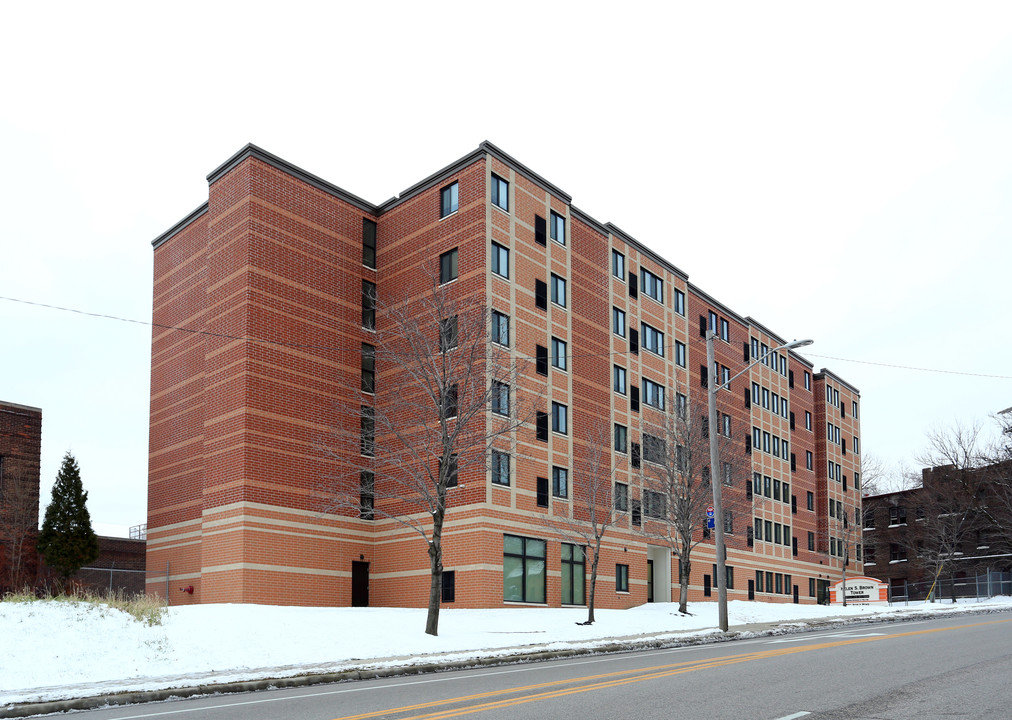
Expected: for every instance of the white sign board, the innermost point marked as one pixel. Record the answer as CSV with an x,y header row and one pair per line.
x,y
859,590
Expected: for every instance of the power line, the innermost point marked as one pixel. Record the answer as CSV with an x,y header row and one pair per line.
x,y
226,336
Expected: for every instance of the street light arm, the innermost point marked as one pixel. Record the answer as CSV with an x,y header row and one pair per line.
x,y
785,346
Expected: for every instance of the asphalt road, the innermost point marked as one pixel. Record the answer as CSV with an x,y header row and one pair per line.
x,y
951,667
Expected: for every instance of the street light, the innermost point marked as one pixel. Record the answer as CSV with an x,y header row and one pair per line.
x,y
716,479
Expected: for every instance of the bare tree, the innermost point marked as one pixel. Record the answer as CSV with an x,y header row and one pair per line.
x,y
593,511
953,509
676,476
20,503
445,398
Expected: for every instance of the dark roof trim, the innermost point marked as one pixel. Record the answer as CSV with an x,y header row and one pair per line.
x,y
14,408
694,290
587,220
795,355
828,373
498,154
262,155
179,226
630,240
433,179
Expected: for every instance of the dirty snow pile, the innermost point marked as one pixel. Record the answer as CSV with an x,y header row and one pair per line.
x,y
60,649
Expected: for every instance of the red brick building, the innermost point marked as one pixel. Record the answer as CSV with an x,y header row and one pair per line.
x,y
270,280
20,458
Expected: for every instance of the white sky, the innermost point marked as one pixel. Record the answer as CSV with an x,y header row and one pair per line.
x,y
857,153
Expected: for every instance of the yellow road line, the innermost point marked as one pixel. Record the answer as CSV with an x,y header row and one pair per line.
x,y
604,681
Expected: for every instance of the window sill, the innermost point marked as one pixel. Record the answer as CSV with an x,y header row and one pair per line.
x,y
449,215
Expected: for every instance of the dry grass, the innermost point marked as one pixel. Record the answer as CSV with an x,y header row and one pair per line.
x,y
147,609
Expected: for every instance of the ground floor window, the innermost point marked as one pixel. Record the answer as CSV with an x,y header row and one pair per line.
x,y
622,578
573,567
523,569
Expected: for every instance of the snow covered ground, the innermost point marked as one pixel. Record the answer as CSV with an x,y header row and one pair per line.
x,y
57,650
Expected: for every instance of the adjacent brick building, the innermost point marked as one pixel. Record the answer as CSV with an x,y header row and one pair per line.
x,y
270,281
20,459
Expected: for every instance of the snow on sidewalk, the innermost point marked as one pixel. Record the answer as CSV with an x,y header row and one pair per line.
x,y
57,650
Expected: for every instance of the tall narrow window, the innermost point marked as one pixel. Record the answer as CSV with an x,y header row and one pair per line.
x,y
619,380
500,260
621,499
500,328
541,426
369,243
679,302
448,266
451,471
558,228
368,368
573,574
500,468
560,418
368,305
367,423
448,403
559,351
540,230
541,359
560,482
500,398
621,578
500,193
448,200
618,321
618,265
448,333
558,290
621,438
541,294
679,353
366,494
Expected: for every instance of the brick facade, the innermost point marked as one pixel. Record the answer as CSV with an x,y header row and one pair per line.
x,y
20,458
267,280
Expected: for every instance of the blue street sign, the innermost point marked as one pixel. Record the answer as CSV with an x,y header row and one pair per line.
x,y
709,523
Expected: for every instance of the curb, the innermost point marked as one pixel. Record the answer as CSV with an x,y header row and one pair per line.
x,y
618,645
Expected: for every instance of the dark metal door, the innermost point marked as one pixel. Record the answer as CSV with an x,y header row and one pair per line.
x,y
359,584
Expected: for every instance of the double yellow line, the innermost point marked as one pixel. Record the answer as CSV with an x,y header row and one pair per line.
x,y
588,683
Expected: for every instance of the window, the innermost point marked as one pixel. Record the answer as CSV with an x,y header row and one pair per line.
x,y
448,403
726,425
766,399
897,553
500,468
755,348
621,496
897,515
540,294
653,504
541,426
366,485
448,266
682,405
724,330
808,459
634,398
368,368
367,431
560,482
621,438
652,340
728,521
808,380
368,305
679,353
559,353
620,380
500,260
853,408
857,481
448,200
653,394
654,449
500,193
541,359
500,398
523,569
558,228
369,243
712,321
618,321
652,285
634,454
558,290
451,471
573,571
618,265
560,418
679,302
500,328
448,333
621,578
540,230
857,445
808,420
447,585
727,473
